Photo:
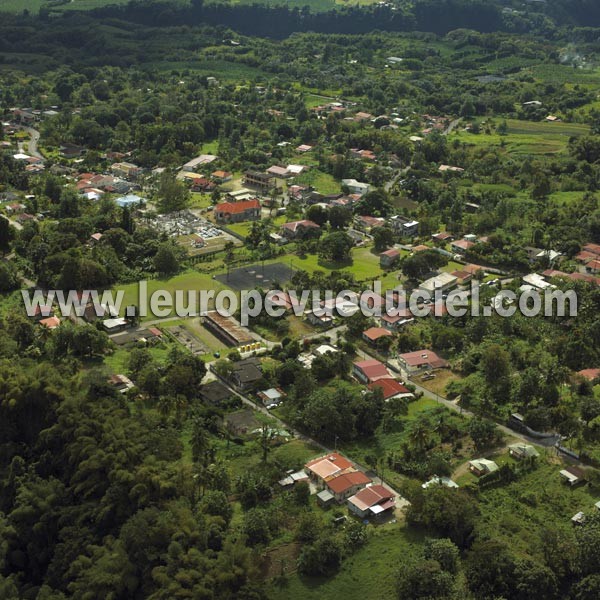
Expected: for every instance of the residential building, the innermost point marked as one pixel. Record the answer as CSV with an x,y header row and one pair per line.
x,y
442,237
373,501
126,170
404,226
389,258
246,374
215,393
221,176
421,360
50,322
237,212
436,480
356,187
279,172
241,422
347,484
391,389
573,475
461,246
462,277
366,222
589,374
374,334
300,229
270,396
121,383
482,466
521,451
369,371
322,469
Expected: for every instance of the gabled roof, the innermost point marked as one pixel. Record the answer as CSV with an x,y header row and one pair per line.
x,y
589,374
372,369
423,357
50,322
389,387
464,244
370,496
391,253
326,466
374,333
235,208
293,226
338,485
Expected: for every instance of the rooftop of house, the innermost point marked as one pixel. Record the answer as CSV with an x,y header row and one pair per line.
x,y
391,253
373,369
370,496
295,225
389,387
325,466
234,208
374,333
589,374
422,357
346,481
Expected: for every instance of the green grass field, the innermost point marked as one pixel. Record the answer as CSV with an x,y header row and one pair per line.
x,y
33,6
189,280
369,573
526,137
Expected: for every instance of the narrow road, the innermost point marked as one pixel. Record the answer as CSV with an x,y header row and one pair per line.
x,y
452,405
298,435
32,145
452,125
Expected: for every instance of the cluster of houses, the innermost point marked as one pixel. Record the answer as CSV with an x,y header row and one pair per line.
x,y
338,481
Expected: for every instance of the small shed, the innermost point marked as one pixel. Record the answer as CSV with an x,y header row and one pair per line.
x,y
325,498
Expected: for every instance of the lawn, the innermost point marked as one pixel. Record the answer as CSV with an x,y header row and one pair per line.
x,y
322,182
526,137
189,280
117,361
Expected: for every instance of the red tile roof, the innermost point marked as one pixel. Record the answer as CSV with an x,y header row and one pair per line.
x,y
389,387
334,458
590,374
294,225
423,357
344,482
371,496
593,248
234,208
372,369
374,333
392,253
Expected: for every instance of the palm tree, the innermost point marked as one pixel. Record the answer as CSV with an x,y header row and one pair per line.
x,y
420,436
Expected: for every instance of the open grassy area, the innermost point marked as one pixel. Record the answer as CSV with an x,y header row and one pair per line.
x,y
322,182
526,137
368,573
189,280
519,511
33,6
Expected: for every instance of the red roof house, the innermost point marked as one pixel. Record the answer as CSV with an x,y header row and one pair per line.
x,y
236,212
369,371
390,388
